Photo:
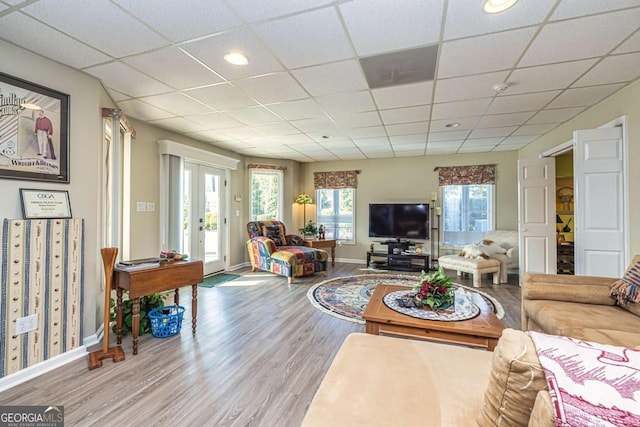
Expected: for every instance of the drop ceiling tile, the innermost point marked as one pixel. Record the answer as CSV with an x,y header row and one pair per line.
x,y
492,132
370,132
214,120
319,124
416,148
465,88
296,110
536,130
321,79
482,142
241,133
307,39
24,31
448,136
518,103
325,136
177,103
632,44
508,147
377,26
269,88
405,115
403,96
3,6
555,116
117,96
123,78
254,116
335,145
585,96
309,148
407,128
179,22
466,123
482,54
222,96
382,154
574,8
86,21
358,120
253,11
211,51
457,109
357,155
366,143
547,77
473,149
455,144
345,103
216,136
177,124
420,138
581,38
497,120
613,69
295,139
465,20
519,140
277,129
172,66
139,110
441,151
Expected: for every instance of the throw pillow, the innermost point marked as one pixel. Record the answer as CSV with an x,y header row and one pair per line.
x,y
627,289
275,233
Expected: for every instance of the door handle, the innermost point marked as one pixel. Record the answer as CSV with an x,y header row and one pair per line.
x,y
201,228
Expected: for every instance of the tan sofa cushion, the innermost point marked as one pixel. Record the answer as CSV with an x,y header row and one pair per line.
x,y
606,336
579,289
516,378
632,307
542,414
383,381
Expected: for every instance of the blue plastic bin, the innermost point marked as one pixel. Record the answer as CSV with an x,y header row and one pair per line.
x,y
166,321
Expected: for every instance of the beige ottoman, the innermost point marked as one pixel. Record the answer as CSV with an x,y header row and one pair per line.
x,y
475,266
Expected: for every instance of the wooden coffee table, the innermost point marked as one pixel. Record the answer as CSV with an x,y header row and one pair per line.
x,y
483,331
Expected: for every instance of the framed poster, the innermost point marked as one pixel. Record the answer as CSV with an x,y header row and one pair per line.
x,y
34,131
41,204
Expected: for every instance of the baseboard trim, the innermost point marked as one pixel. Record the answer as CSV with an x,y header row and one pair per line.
x,y
41,368
239,266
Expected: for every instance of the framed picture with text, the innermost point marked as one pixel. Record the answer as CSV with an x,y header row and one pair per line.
x,y
34,131
45,204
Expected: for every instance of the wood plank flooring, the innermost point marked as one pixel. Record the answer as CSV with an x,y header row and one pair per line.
x,y
257,359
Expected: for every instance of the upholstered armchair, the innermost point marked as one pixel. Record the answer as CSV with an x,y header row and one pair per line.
x,y
272,249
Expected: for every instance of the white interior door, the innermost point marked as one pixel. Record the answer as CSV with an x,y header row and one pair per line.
x,y
599,202
205,215
536,210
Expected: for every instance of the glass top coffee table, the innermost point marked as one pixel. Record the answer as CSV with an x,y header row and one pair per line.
x,y
482,331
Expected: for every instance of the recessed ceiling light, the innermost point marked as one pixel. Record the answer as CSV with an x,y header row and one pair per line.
x,y
500,87
497,6
452,125
326,137
236,58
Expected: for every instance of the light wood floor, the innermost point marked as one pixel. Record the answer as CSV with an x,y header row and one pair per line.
x,y
257,359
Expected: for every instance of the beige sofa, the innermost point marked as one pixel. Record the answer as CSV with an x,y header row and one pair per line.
x,y
579,307
384,381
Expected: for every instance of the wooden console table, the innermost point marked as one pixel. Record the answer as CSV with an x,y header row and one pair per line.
x,y
141,280
324,243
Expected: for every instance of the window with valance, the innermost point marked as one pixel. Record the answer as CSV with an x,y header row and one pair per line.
x,y
466,175
335,195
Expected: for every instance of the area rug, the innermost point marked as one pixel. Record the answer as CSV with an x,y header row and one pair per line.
x,y
217,279
347,297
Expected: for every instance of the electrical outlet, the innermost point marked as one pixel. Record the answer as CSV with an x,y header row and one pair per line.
x,y
151,207
26,324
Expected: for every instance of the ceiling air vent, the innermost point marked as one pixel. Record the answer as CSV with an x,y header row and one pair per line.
x,y
399,68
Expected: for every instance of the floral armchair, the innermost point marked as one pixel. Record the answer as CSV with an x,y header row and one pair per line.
x,y
272,249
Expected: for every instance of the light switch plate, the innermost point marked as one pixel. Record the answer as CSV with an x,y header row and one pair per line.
x,y
141,206
151,207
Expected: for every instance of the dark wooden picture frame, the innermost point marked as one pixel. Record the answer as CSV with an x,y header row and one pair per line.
x,y
34,131
45,204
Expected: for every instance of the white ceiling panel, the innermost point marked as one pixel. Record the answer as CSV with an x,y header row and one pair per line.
x,y
492,132
420,138
86,21
555,116
493,52
377,26
358,120
574,8
619,68
276,87
632,44
215,120
581,38
254,116
547,77
242,133
179,23
211,51
142,110
345,103
315,125
307,39
177,103
584,96
498,120
444,144
321,80
519,140
178,124
222,97
465,88
441,151
407,128
405,115
371,142
415,148
482,142
294,139
277,129
174,67
403,96
18,28
539,129
117,96
369,132
125,79
516,103
465,123
296,110
253,11
448,136
447,110
466,18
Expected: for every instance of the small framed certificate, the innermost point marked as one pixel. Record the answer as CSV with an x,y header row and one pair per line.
x,y
45,204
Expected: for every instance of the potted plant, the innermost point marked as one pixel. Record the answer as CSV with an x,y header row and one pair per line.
x,y
147,303
309,230
434,291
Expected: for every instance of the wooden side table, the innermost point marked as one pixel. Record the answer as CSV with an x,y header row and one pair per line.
x,y
321,244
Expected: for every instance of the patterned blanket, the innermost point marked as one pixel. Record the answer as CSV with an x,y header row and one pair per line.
x,y
590,384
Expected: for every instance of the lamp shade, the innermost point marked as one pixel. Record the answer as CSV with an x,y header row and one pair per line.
x,y
303,199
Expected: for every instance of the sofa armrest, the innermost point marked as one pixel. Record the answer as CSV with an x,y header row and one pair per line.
x,y
579,289
265,245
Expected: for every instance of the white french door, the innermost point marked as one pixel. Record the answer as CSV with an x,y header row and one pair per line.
x,y
205,223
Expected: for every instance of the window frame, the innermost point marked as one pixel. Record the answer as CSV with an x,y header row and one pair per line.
x,y
336,217
280,196
466,236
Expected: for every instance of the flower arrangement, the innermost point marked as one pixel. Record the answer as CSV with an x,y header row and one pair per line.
x,y
434,291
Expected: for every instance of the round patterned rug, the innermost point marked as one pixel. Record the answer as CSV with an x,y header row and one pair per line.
x,y
347,297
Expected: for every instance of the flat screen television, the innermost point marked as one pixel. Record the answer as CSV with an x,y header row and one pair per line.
x,y
399,220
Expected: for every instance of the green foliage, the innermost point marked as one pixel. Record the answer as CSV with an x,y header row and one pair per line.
x,y
435,290
147,303
211,221
310,229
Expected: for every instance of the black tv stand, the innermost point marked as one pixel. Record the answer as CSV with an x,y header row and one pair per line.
x,y
397,257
